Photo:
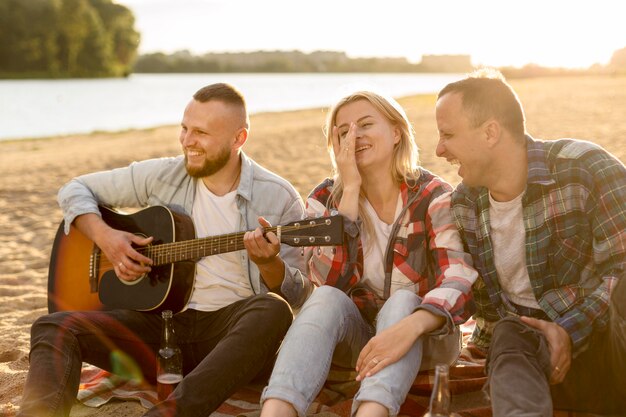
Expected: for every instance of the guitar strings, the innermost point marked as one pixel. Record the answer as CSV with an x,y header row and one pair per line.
x,y
174,250
230,242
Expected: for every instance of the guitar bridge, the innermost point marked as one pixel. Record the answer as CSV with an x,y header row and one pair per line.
x,y
94,262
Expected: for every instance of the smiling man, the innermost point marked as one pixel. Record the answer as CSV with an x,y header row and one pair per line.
x,y
545,224
231,327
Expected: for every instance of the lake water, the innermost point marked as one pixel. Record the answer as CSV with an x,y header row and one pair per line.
x,y
39,108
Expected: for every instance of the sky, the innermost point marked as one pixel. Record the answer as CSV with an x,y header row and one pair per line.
x,y
552,33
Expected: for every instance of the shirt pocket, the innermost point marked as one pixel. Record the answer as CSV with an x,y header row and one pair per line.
x,y
411,251
571,249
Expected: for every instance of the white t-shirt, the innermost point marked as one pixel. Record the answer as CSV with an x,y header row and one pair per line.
x,y
508,238
374,249
220,279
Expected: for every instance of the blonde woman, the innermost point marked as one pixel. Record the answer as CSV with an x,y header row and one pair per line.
x,y
391,298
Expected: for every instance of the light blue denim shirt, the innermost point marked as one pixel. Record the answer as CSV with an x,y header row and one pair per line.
x,y
165,182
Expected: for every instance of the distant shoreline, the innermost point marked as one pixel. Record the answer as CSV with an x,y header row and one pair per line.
x,y
45,108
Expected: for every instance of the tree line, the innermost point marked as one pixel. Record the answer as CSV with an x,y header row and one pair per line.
x,y
332,61
66,38
292,61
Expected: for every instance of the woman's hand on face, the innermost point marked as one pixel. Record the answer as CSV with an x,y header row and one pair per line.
x,y
345,156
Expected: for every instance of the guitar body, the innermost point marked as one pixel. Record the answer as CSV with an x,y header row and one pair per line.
x,y
81,278
75,258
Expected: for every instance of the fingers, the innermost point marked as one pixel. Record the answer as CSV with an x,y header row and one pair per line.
x,y
262,246
132,264
264,222
371,366
135,255
344,147
351,139
533,322
557,376
256,240
128,270
267,235
370,362
560,370
559,344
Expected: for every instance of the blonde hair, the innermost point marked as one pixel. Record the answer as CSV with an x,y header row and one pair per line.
x,y
405,159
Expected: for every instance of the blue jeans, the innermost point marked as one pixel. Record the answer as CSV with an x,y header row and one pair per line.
x,y
330,329
519,368
222,351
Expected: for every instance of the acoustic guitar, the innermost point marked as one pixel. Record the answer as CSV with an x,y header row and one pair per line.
x,y
80,277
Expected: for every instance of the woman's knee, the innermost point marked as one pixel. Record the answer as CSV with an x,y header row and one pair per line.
x,y
329,300
327,307
401,304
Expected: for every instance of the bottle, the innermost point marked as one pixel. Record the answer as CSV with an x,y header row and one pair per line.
x,y
440,398
169,359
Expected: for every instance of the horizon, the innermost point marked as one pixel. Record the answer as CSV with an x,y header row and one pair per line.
x,y
556,33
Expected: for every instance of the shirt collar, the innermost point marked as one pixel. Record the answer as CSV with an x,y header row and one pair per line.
x,y
247,174
538,171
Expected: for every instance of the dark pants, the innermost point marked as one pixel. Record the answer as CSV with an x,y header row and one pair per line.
x,y
222,351
518,366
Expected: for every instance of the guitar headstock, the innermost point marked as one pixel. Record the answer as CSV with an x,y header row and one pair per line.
x,y
321,231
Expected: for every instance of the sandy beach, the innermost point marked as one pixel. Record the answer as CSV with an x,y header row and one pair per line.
x,y
289,143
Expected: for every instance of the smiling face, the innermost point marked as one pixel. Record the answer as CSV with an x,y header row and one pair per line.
x,y
375,138
460,142
208,136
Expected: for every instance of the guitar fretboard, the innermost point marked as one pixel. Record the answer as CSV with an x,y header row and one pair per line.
x,y
194,249
313,232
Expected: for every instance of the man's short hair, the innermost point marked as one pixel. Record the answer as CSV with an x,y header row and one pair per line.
x,y
225,93
486,94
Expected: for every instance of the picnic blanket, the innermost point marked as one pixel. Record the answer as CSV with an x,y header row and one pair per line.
x,y
99,387
467,378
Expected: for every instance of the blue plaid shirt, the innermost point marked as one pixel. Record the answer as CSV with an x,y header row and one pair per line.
x,y
574,211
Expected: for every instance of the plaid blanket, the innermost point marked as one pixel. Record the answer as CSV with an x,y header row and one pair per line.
x,y
467,378
99,387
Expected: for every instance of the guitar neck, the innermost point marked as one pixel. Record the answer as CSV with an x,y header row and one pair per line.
x,y
196,248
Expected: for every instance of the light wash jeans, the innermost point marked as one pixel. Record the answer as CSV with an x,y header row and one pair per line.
x,y
330,329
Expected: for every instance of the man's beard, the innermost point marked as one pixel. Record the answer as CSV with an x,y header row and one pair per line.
x,y
209,167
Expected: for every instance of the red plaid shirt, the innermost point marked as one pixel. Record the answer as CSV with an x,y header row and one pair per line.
x,y
425,254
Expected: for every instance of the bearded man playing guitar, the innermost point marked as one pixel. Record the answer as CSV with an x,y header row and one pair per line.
x,y
229,320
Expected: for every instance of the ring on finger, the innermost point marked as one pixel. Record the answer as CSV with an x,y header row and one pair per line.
x,y
121,264
376,361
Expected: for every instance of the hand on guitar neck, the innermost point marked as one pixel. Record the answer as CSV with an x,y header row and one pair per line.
x,y
117,246
264,250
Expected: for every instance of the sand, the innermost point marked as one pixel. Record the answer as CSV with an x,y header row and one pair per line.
x,y
289,143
